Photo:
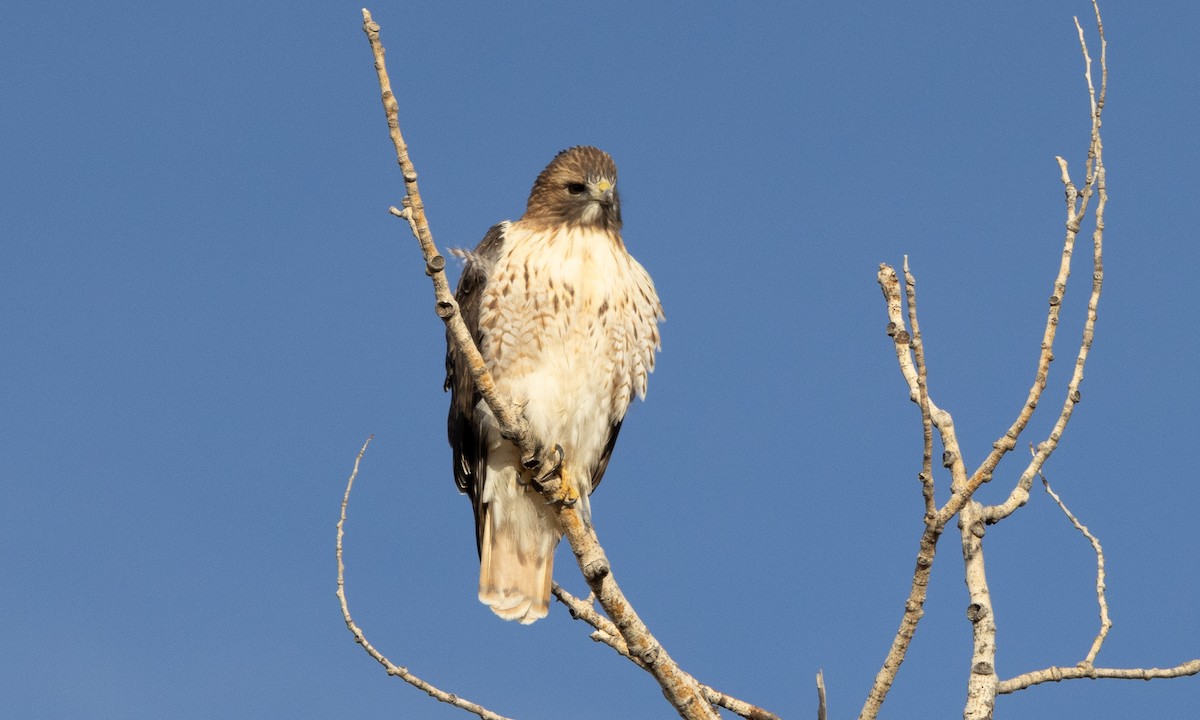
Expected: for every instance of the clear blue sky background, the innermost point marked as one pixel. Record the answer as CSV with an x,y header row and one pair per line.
x,y
206,309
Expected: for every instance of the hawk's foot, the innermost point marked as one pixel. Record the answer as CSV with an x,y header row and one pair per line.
x,y
565,491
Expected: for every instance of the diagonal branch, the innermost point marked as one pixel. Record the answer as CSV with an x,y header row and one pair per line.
x,y
360,638
1077,205
680,688
603,631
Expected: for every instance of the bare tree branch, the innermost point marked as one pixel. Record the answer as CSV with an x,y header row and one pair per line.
x,y
1077,206
603,631
680,688
360,638
973,517
912,366
1055,674
1086,668
1105,622
918,348
982,680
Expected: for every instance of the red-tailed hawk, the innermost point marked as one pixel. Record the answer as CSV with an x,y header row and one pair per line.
x,y
567,322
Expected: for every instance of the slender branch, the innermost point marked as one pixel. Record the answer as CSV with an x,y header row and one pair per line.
x,y
926,476
1105,622
913,370
680,688
1056,674
360,638
435,263
973,517
983,683
603,631
1076,211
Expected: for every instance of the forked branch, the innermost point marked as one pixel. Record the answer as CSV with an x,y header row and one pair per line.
x,y
1086,668
983,685
680,688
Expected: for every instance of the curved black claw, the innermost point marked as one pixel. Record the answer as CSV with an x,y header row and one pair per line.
x,y
566,493
558,463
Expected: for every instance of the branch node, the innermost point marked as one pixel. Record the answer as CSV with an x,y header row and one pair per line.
x,y
649,655
436,264
976,612
596,569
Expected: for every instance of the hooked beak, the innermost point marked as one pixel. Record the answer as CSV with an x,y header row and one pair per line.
x,y
604,192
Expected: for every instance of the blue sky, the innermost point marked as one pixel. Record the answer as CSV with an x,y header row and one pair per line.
x,y
206,308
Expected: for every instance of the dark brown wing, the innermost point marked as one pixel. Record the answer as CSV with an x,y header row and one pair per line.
x,y
602,465
467,439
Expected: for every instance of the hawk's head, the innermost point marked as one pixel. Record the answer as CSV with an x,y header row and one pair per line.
x,y
578,187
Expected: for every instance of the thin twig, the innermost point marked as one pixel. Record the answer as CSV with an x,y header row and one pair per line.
x,y
926,476
1105,622
1055,674
982,686
681,689
1077,204
603,631
360,638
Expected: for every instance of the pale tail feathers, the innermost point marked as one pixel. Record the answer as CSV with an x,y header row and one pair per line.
x,y
514,581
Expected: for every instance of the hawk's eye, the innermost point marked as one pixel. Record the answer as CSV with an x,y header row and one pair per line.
x,y
576,188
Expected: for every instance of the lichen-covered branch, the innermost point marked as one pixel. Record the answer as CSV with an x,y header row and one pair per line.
x,y
680,688
360,638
